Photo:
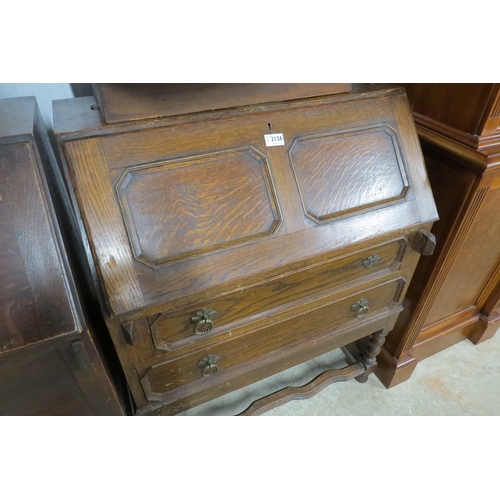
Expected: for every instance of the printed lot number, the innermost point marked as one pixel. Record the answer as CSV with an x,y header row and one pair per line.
x,y
274,140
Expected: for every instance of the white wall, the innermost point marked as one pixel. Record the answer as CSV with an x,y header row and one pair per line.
x,y
44,93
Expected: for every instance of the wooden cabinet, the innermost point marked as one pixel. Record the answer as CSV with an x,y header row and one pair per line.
x,y
222,260
468,113
49,362
120,102
455,293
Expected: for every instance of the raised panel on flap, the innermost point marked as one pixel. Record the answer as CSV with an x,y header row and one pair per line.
x,y
342,173
180,209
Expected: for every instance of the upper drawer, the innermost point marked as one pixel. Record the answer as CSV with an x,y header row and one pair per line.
x,y
187,207
236,311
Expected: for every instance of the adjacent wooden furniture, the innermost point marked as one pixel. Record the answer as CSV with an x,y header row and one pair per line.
x,y
455,293
119,102
49,360
221,258
468,113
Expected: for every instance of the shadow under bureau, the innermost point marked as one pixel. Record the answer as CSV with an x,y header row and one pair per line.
x,y
222,258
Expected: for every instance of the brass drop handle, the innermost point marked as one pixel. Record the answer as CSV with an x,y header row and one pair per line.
x,y
209,365
203,320
360,308
370,261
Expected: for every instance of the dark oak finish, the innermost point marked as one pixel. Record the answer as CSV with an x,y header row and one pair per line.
x,y
268,365
304,392
369,357
183,371
424,242
212,202
239,309
131,285
455,293
36,300
374,151
124,101
220,260
465,112
49,360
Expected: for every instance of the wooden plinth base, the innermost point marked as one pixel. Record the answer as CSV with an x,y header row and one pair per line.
x,y
391,371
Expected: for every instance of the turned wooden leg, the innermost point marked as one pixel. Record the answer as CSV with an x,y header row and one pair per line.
x,y
369,357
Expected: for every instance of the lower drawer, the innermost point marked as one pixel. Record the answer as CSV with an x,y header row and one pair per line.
x,y
166,381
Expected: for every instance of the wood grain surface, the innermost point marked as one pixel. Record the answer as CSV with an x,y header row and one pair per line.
x,y
468,275
123,102
467,107
34,300
49,361
455,290
338,174
303,392
17,119
266,365
238,309
192,205
106,229
297,240
184,370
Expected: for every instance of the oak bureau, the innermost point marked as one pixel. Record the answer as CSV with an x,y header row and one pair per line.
x,y
222,258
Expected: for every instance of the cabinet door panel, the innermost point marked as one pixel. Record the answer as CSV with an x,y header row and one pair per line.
x,y
476,262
